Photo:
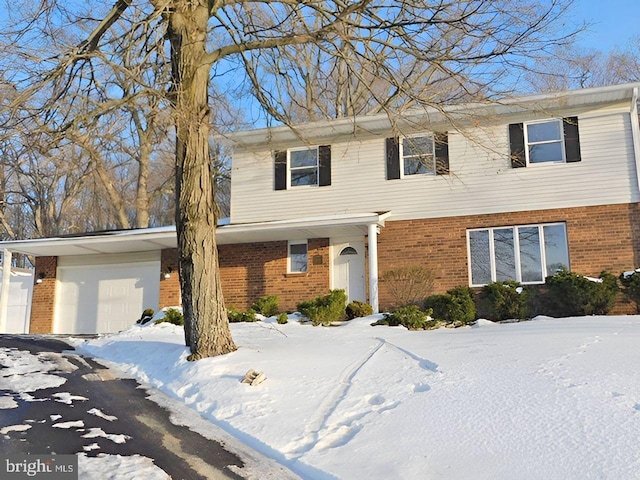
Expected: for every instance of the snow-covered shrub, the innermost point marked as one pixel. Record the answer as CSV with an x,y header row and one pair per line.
x,y
267,306
568,294
235,316
172,315
503,301
324,310
455,306
357,309
410,317
631,286
282,318
408,285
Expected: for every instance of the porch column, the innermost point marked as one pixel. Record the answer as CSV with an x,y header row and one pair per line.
x,y
373,266
4,294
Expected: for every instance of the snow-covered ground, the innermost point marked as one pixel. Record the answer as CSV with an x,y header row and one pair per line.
x,y
548,398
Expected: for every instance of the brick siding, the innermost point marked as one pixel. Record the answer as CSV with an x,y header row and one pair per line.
x,y
249,271
600,238
169,287
44,294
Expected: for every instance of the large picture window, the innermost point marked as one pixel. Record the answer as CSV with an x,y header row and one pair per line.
x,y
527,253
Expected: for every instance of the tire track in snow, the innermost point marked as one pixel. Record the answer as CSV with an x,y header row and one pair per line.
x,y
338,420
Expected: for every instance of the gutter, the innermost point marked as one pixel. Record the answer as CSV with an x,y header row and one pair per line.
x,y
635,132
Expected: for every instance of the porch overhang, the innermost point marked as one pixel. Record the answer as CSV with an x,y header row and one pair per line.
x,y
149,239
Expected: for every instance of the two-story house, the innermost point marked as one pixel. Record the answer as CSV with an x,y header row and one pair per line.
x,y
475,193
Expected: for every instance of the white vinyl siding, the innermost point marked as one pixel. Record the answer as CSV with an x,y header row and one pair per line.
x,y
481,180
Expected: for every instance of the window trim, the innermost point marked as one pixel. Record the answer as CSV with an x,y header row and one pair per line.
x,y
290,168
297,242
560,140
401,155
516,248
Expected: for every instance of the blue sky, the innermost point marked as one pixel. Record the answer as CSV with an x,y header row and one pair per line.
x,y
613,22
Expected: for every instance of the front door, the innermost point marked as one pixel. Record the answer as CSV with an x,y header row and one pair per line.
x,y
348,269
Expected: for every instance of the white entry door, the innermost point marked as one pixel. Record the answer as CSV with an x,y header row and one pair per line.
x,y
348,269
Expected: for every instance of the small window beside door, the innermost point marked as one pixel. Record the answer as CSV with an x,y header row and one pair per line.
x,y
297,258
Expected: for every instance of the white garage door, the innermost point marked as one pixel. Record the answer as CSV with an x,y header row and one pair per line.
x,y
104,298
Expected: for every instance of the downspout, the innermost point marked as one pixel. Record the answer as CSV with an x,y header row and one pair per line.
x,y
4,293
373,266
635,133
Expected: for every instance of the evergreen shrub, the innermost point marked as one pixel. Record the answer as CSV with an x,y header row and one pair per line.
x,y
357,309
236,316
503,301
172,315
326,309
267,306
456,306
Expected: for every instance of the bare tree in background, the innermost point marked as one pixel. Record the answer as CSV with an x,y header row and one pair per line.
x,y
570,68
393,50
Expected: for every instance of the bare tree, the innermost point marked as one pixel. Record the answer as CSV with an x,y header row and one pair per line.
x,y
393,50
573,67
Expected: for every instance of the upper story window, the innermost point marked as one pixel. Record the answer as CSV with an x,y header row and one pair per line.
x,y
544,141
302,167
527,253
417,155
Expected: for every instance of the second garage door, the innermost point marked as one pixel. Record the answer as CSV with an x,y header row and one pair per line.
x,y
105,297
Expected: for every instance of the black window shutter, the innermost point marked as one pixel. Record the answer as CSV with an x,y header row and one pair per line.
x,y
324,163
441,141
280,172
516,143
393,158
571,139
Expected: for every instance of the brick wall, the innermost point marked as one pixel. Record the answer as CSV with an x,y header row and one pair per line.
x,y
251,270
43,300
169,287
600,238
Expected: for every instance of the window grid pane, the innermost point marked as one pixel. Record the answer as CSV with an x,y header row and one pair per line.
x,y
530,256
298,258
417,155
480,252
505,254
555,248
545,142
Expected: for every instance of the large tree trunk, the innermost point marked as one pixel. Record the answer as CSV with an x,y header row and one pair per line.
x,y
207,330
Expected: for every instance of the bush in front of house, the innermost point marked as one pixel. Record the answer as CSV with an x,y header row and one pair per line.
x,y
147,315
236,316
454,307
357,309
325,310
410,317
631,286
172,315
282,318
267,305
500,301
567,294
408,285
